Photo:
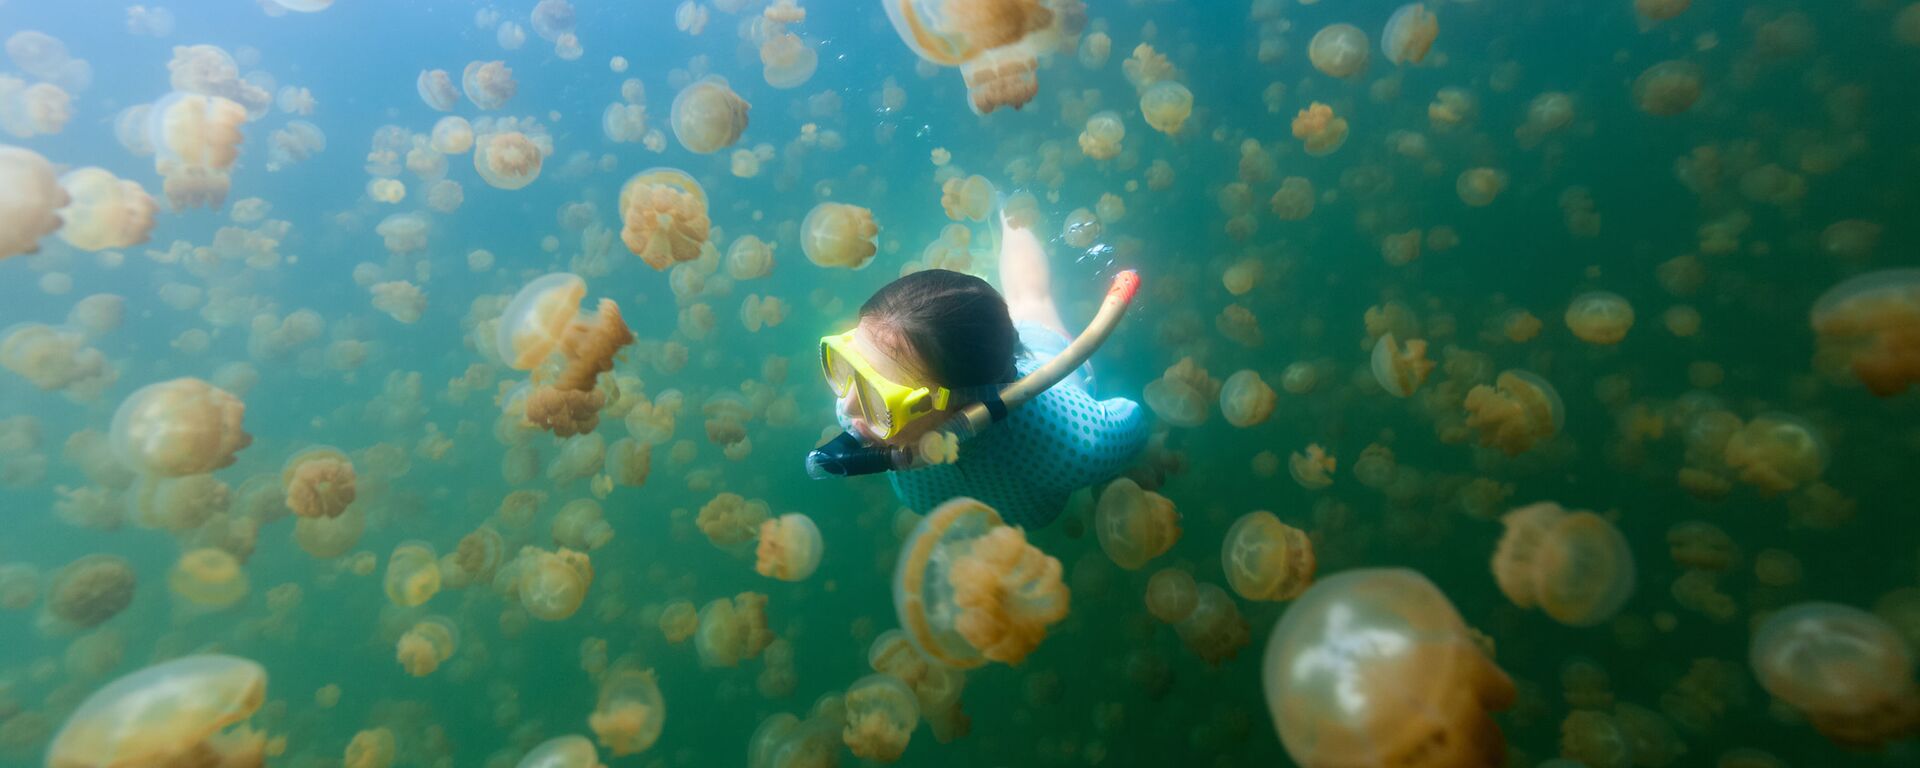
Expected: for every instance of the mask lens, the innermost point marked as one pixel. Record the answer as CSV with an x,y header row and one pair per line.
x,y
874,408
839,374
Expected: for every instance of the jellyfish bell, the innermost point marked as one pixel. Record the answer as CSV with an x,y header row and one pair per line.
x,y
1171,595
1266,559
1599,317
1339,50
1575,566
882,713
190,710
208,577
970,589
104,211
1400,369
1375,667
630,712
839,235
536,321
787,60
1872,322
708,116
1516,412
789,548
1847,670
507,159
31,208
177,428
436,88
1667,88
1409,34
568,751
488,84
663,214
996,45
1134,526
1166,105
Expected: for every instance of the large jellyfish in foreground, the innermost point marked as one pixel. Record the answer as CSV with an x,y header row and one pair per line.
x,y
969,589
1847,670
179,427
996,44
175,713
1374,667
29,211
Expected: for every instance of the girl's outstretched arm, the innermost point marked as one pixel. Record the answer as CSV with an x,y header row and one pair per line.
x,y
1025,279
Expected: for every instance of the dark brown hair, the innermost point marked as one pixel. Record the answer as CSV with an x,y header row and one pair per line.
x,y
956,323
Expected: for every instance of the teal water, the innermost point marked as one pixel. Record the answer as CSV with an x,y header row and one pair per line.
x,y
1816,89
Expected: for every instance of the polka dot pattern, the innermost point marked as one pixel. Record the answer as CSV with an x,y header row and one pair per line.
x,y
1026,466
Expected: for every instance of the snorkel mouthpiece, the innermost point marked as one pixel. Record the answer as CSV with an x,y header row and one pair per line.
x,y
846,456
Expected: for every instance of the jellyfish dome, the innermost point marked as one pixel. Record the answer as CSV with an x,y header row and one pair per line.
x,y
166,713
839,235
881,715
1400,369
1847,670
1873,323
552,585
29,211
789,548
1319,129
1516,413
1339,50
104,211
1266,559
970,589
488,84
436,88
708,116
536,321
1599,317
996,45
177,428
663,214
1409,34
507,159
562,752
1374,667
208,577
1134,525
630,712
787,60
1575,566
1166,105
319,482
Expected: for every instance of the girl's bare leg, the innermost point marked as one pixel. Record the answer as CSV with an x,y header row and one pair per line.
x,y
1025,279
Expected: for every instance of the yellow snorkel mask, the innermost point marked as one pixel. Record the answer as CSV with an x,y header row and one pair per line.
x,y
887,406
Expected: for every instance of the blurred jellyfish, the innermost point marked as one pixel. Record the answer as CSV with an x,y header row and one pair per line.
x,y
732,630
179,427
1312,469
970,589
1479,186
749,258
629,713
624,123
730,520
1213,630
561,751
452,135
1340,50
1246,400
708,116
103,211
580,526
1319,129
1516,413
1134,525
789,548
413,574
1375,667
1166,106
1171,595
370,748
1294,199
426,645
787,60
488,84
1776,452
996,46
1400,369
552,585
188,711
1101,138
838,235
196,139
507,159
1266,559
1599,317
1667,88
881,715
86,593
1184,395
1081,229
1872,322
437,90
1575,566
1847,670
208,577
1409,34
664,217
967,198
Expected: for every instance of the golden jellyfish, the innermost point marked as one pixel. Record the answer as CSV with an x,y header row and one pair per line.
x,y
730,520
970,589
1575,566
881,715
787,60
1166,105
629,713
1375,667
968,198
1667,88
1847,670
177,428
19,586
1599,317
663,214
319,482
708,116
1660,10
1266,559
732,630
789,548
187,711
1409,34
208,577
1294,199
488,84
749,258
325,538
426,645
1313,468
562,752
1171,595
196,139
1518,411
452,135
1339,50
31,208
839,235
996,45
580,526
86,593
1776,452
1081,229
1246,400
1183,395
1319,129
103,211
1400,368
1872,322
1478,187
1214,630
413,574
507,159
437,90
1134,525
678,621
370,748
552,585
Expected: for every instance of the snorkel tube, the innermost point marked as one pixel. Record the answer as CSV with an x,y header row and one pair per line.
x,y
846,456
